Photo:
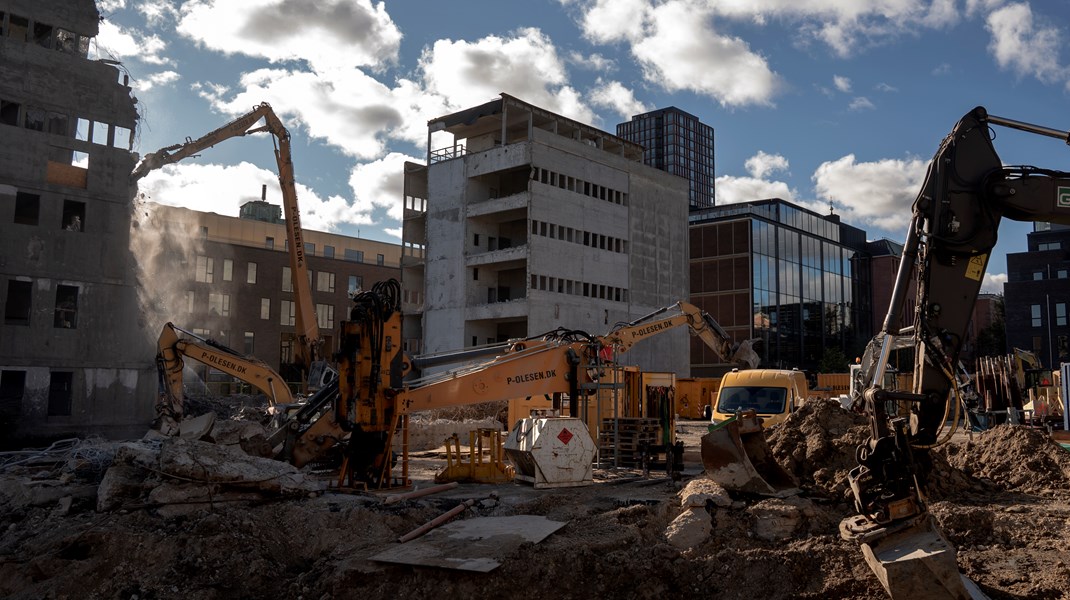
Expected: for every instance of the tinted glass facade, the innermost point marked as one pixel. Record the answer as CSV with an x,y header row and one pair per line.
x,y
806,286
676,142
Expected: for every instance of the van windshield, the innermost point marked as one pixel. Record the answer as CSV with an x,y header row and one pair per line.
x,y
764,400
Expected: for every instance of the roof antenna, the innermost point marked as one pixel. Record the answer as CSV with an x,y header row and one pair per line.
x,y
832,210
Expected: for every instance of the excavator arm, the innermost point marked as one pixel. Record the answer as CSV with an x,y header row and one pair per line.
x,y
956,216
308,350
172,349
624,336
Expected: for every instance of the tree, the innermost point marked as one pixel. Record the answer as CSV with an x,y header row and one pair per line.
x,y
992,340
833,361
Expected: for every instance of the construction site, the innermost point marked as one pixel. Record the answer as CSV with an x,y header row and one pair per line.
x,y
425,442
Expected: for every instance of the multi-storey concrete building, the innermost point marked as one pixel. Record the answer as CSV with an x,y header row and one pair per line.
x,y
1037,294
74,356
795,279
528,221
677,142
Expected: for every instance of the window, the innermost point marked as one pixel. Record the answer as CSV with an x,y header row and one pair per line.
x,y
219,304
67,41
205,270
73,215
1060,313
475,240
380,259
287,313
12,388
475,274
18,28
269,243
1060,274
328,251
9,113
17,306
228,269
287,280
310,249
356,282
66,314
248,348
27,208
1049,246
190,298
60,385
354,255
265,308
1038,275
324,281
203,232
250,273
1034,312
33,118
325,316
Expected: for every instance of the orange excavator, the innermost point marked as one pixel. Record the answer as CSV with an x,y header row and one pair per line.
x,y
370,403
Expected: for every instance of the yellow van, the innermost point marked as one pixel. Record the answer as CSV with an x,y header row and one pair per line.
x,y
772,393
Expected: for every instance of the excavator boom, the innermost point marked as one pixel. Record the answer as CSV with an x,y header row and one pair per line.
x,y
625,335
308,349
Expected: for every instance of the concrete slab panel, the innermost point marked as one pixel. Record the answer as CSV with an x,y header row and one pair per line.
x,y
479,545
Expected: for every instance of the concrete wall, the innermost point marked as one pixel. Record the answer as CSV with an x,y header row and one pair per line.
x,y
107,350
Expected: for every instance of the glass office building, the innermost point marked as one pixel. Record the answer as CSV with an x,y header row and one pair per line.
x,y
797,280
676,142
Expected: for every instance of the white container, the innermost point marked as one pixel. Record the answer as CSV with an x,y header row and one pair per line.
x,y
551,452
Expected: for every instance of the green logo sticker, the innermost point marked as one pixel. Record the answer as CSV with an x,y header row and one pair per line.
x,y
1062,198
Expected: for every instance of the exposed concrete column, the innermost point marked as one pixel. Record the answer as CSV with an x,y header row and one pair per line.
x,y
505,121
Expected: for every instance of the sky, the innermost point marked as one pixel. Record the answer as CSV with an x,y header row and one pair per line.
x,y
832,104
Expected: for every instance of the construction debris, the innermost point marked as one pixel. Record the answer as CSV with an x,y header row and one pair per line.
x,y
195,519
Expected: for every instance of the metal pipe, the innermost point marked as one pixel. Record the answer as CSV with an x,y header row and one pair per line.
x,y
439,520
395,498
1038,129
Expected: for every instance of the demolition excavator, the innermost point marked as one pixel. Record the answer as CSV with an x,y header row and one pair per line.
x,y
308,352
966,193
370,403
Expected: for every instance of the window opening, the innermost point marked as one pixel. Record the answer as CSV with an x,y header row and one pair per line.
x,y
17,306
27,208
60,386
66,316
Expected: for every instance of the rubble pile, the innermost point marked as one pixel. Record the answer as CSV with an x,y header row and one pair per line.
x,y
1014,458
817,445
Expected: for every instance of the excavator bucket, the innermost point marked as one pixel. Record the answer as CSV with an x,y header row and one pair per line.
x,y
912,561
736,455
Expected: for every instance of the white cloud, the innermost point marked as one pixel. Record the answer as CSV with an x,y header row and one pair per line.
x,y
118,43
884,87
607,21
613,95
861,103
993,283
593,62
762,164
223,189
878,193
327,34
681,51
842,83
163,78
525,65
731,190
157,11
107,6
379,185
941,69
1023,46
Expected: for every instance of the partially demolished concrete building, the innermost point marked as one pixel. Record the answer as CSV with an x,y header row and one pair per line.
x,y
525,221
74,356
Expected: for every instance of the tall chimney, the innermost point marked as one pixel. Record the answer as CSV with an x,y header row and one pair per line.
x,y
263,192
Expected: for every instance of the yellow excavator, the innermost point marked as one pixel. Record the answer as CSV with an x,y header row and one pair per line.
x,y
171,351
308,352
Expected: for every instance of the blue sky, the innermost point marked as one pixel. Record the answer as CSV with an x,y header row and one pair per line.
x,y
821,102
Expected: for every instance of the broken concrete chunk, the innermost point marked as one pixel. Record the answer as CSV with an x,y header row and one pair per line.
x,y
699,491
248,435
781,518
690,529
210,463
197,427
122,482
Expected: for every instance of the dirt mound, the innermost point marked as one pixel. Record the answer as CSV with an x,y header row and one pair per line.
x,y
1014,458
817,445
